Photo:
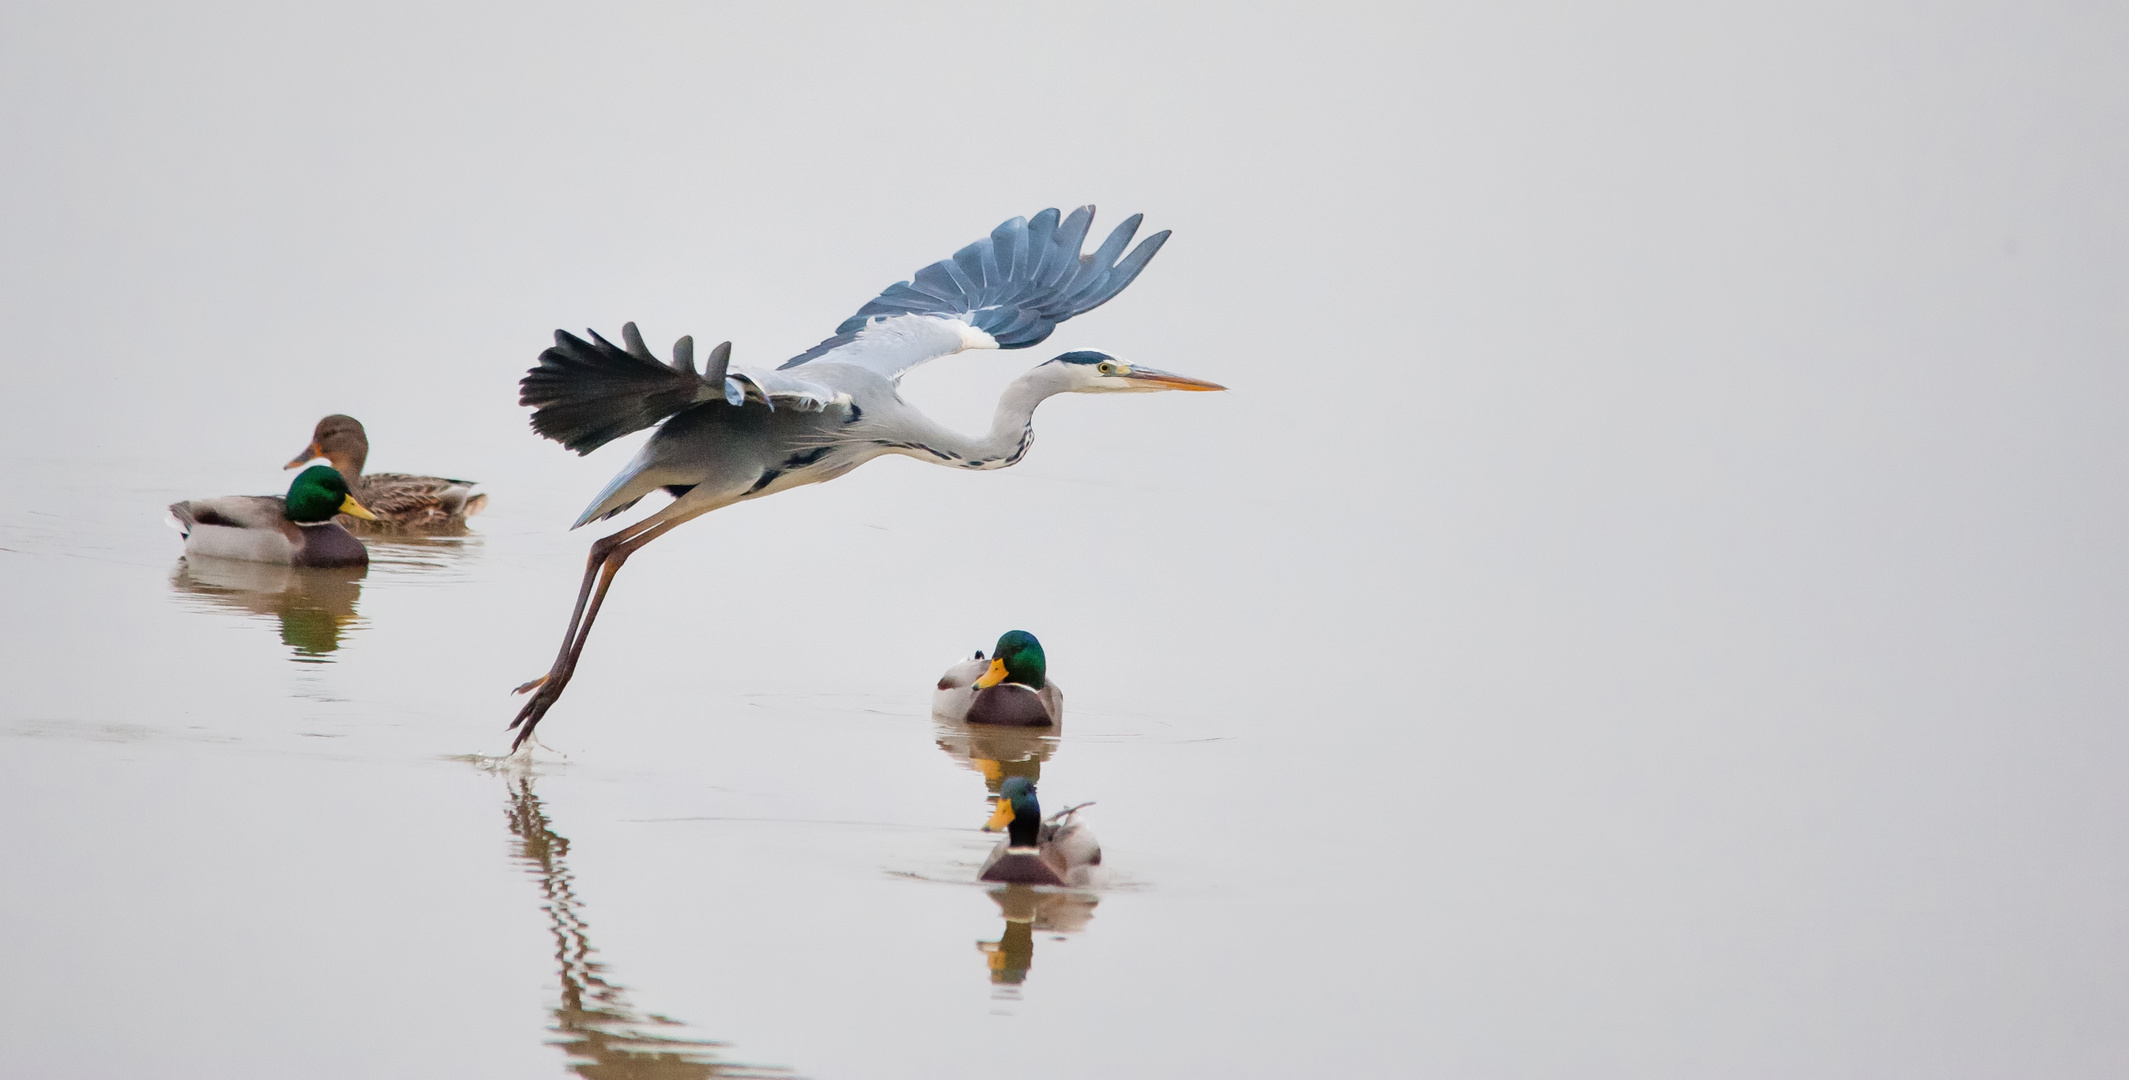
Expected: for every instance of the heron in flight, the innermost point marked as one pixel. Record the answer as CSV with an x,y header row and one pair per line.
x,y
727,435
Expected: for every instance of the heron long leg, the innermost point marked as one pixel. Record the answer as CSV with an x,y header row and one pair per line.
x,y
620,555
548,688
600,549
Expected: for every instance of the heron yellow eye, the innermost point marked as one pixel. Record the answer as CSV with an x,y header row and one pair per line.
x,y
1107,368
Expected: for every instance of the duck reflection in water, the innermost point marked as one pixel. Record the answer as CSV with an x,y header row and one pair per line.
x,y
1027,911
996,752
605,1037
314,605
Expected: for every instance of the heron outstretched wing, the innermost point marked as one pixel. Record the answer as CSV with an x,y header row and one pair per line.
x,y
1008,290
585,394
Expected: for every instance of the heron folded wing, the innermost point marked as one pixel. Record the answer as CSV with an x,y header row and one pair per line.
x,y
1008,290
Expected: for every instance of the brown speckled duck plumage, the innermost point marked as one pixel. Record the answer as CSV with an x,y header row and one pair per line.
x,y
402,502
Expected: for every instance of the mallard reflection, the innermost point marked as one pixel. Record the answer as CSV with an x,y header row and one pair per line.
x,y
315,606
604,1036
997,752
1029,910
448,553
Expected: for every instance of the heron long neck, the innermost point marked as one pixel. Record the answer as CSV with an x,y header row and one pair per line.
x,y
1012,427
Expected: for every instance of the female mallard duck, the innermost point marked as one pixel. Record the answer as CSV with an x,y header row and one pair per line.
x,y
400,501
1059,851
298,530
1012,689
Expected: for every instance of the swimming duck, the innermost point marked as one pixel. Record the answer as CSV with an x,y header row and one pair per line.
x,y
1059,851
1012,689
296,530
400,501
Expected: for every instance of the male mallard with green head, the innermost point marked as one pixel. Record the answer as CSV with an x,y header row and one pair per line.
x,y
295,530
1060,851
400,501
1013,688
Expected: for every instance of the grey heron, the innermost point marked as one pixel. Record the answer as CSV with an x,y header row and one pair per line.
x,y
726,434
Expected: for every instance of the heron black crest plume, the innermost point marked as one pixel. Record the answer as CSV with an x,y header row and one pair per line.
x,y
585,394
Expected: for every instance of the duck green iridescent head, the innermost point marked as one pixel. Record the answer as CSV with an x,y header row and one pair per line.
x,y
1017,812
1016,659
318,493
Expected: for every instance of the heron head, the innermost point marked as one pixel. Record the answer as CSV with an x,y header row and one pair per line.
x,y
1017,659
1092,371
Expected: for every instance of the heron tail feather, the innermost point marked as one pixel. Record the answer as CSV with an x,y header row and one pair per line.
x,y
585,394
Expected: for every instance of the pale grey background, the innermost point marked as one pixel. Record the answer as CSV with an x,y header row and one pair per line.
x,y
1652,605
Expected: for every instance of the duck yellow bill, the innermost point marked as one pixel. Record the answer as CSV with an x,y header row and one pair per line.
x,y
992,677
1001,817
348,505
310,453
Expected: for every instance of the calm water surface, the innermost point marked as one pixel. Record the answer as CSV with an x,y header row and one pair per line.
x,y
275,798
260,816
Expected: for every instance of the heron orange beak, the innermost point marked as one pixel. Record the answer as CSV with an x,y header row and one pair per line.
x,y
310,453
1164,380
1000,817
348,505
993,677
